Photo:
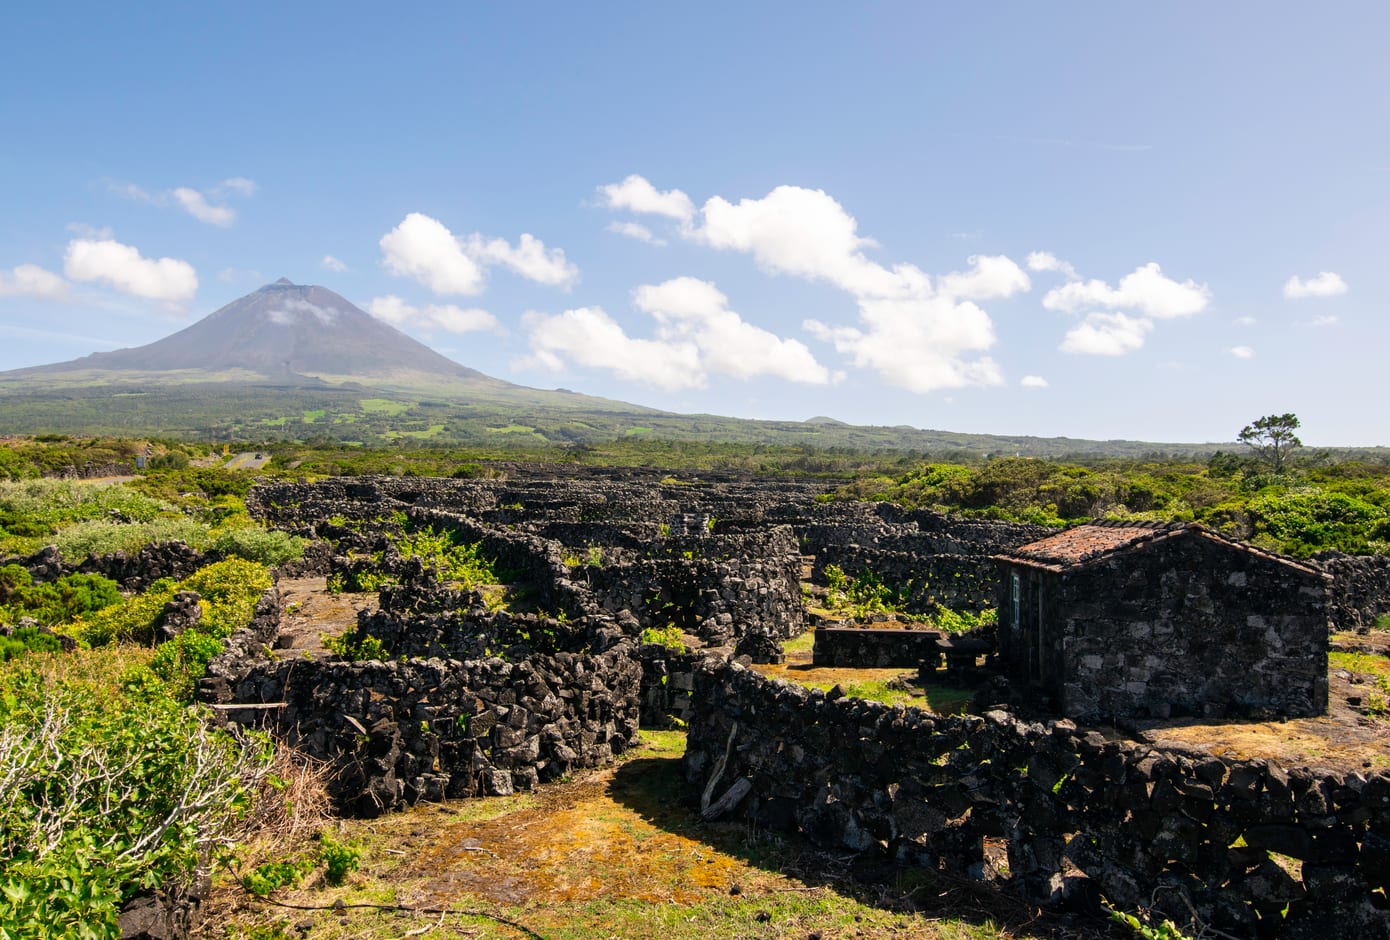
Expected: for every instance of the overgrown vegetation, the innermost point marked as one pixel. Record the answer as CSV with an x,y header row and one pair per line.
x,y
110,786
1312,506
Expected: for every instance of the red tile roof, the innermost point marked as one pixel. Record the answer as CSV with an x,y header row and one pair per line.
x,y
1093,541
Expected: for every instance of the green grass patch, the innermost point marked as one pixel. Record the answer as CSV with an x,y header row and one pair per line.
x,y
310,415
384,406
512,429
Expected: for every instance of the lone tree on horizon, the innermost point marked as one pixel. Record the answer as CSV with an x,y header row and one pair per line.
x,y
1272,438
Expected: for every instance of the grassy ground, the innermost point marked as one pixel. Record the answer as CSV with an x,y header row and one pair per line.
x,y
611,853
890,686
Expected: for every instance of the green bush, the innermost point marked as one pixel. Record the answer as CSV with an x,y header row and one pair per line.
x,y
669,637
114,789
26,640
102,537
229,589
182,661
350,648
269,547
62,600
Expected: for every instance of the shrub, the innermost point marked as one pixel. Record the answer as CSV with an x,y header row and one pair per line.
x,y
69,597
352,649
102,537
115,788
182,661
668,636
269,547
229,589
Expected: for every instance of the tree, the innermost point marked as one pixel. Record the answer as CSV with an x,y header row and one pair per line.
x,y
1272,438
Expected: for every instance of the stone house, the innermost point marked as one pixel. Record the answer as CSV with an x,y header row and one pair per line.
x,y
1136,619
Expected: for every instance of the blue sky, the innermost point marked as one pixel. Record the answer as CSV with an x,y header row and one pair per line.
x,y
1092,220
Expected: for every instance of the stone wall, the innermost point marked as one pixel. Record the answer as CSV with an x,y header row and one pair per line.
x,y
873,648
960,582
398,732
1069,815
133,571
1360,589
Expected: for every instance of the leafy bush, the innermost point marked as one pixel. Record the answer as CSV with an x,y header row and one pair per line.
x,y
26,640
102,537
669,637
338,859
270,547
229,589
1307,520
350,648
182,661
59,601
114,788
463,563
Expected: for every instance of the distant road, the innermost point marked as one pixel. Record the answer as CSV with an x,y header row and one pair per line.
x,y
247,460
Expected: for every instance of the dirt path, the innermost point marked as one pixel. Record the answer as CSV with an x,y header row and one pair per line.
x,y
311,611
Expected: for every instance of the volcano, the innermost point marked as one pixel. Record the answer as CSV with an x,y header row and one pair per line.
x,y
284,334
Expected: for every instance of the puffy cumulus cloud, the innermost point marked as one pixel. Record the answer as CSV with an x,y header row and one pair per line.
x,y
1107,334
529,258
122,267
807,234
1047,261
587,336
915,334
1033,381
989,277
395,311
695,310
1145,290
696,335
30,280
1326,284
636,230
1242,352
423,248
637,194
330,263
917,343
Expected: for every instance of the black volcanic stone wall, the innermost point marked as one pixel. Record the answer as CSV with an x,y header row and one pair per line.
x,y
1080,814
398,732
1360,588
874,648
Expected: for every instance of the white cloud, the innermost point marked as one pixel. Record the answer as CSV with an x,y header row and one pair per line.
x,y
1325,320
330,263
989,277
687,308
30,280
1047,261
424,249
915,337
194,202
122,267
197,205
1242,352
590,337
452,319
290,312
1326,284
83,230
529,258
1033,381
636,230
636,194
696,335
1106,334
239,184
1244,321
1145,290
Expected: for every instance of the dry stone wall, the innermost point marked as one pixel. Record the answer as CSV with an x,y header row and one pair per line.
x,y
1360,590
1076,815
398,732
